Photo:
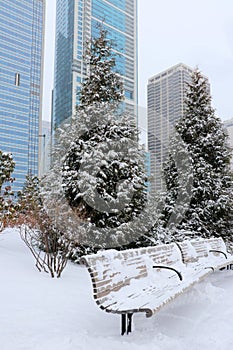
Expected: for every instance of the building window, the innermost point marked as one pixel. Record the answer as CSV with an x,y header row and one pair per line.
x,y
17,79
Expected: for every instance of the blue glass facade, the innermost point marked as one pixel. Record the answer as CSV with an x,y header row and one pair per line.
x,y
21,47
63,85
77,21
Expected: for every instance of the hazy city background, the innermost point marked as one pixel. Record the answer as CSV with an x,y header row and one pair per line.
x,y
169,32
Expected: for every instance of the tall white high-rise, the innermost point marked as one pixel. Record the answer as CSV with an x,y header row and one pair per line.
x,y
165,103
76,22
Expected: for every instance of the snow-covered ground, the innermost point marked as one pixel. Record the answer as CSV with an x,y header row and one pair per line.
x,y
38,312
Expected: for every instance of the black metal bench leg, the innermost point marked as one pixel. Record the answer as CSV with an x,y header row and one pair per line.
x,y
126,325
123,324
129,323
229,267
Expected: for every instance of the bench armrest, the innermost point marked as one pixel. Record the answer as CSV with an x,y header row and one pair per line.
x,y
169,268
218,251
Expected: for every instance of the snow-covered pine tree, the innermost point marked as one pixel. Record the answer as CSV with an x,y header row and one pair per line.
x,y
98,162
7,166
102,84
103,175
8,206
210,209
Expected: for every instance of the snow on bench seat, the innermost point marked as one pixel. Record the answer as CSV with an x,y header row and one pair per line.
x,y
149,297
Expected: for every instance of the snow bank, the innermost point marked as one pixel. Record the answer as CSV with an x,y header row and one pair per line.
x,y
38,312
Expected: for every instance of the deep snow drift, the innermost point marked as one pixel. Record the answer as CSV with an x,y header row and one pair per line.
x,y
38,312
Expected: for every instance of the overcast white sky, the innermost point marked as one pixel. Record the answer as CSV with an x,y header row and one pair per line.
x,y
195,32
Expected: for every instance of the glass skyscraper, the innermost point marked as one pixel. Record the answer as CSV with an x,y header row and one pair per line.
x,y
21,66
76,21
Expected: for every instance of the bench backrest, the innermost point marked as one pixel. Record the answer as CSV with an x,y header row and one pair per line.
x,y
217,244
110,270
193,250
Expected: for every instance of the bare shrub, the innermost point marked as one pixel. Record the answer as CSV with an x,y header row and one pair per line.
x,y
50,249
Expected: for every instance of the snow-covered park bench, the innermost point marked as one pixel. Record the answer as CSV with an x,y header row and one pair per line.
x,y
144,279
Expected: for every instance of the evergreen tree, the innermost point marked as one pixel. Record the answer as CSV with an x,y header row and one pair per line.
x,y
7,166
102,84
99,166
112,162
8,205
209,212
103,175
